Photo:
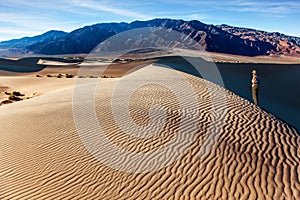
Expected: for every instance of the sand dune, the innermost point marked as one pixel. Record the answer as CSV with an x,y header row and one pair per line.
x,y
56,63
31,86
43,156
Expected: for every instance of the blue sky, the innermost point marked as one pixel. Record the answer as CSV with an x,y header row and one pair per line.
x,y
20,18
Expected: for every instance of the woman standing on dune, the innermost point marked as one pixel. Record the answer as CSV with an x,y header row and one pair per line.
x,y
254,86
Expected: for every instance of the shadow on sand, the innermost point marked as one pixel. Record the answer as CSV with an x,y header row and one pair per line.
x,y
279,84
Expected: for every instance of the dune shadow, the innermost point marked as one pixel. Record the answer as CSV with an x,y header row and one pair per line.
x,y
278,93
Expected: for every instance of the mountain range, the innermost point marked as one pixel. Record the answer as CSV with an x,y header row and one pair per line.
x,y
214,38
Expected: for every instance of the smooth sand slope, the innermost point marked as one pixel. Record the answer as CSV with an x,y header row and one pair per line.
x,y
32,86
251,154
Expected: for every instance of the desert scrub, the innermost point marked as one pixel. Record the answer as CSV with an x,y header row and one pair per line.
x,y
14,98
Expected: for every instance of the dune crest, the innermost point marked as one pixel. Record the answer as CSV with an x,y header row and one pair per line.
x,y
255,156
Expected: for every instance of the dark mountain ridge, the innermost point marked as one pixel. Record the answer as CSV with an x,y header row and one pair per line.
x,y
25,41
220,38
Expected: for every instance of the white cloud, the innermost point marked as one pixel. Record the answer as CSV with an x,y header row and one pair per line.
x,y
27,18
15,25
33,23
267,7
23,18
254,6
13,33
100,6
18,20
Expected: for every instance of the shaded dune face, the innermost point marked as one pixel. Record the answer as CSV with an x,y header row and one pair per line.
x,y
255,156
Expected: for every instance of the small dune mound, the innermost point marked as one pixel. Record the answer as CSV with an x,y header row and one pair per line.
x,y
6,102
59,76
69,76
19,94
106,76
14,98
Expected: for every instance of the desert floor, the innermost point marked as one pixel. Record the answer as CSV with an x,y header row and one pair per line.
x,y
155,133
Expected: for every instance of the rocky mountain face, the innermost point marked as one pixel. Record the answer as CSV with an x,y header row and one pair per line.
x,y
221,38
79,41
18,47
282,44
23,42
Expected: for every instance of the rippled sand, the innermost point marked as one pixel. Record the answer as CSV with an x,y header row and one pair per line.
x,y
235,150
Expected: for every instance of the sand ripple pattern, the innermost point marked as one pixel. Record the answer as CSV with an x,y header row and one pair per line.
x,y
256,156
